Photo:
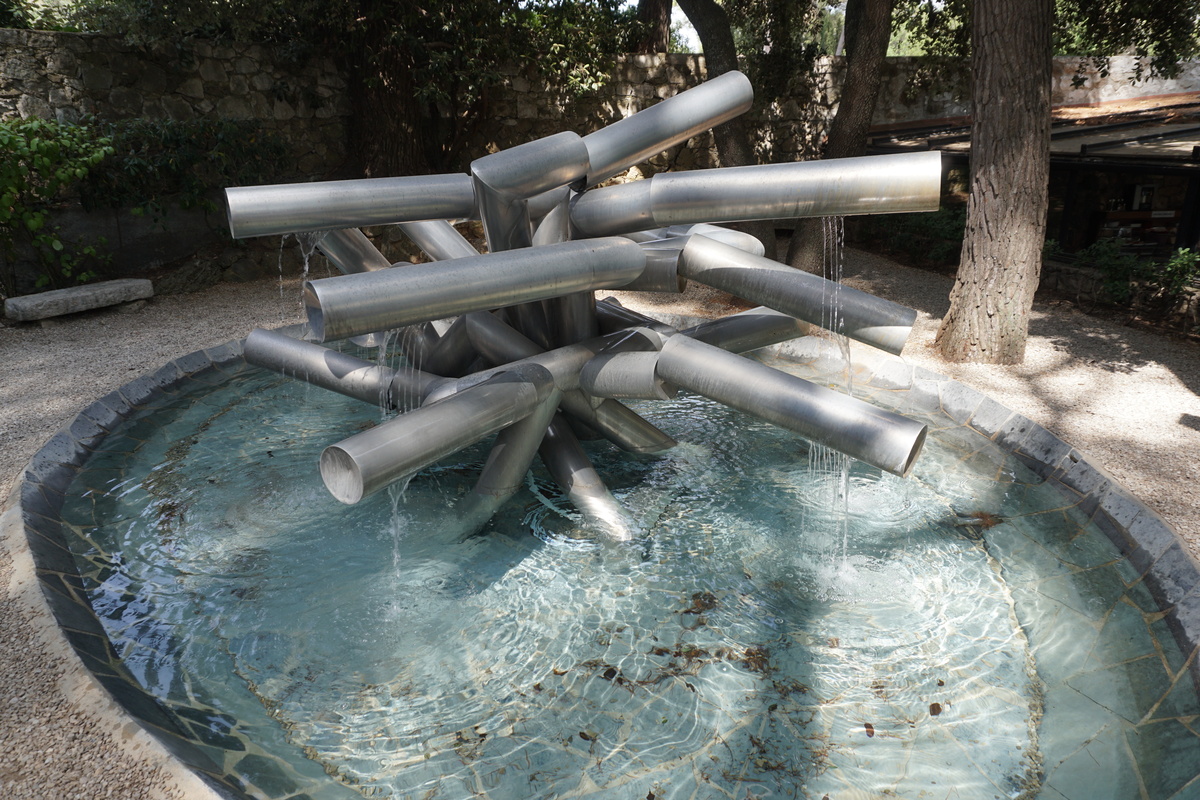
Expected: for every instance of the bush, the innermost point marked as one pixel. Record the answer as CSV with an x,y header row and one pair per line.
x,y
41,164
157,162
927,240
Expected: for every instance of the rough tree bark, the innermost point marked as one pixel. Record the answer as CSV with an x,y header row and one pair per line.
x,y
720,56
868,30
656,16
998,273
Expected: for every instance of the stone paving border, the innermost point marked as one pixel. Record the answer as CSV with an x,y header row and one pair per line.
x,y
1151,547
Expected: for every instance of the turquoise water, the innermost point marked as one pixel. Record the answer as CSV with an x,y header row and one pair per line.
x,y
783,625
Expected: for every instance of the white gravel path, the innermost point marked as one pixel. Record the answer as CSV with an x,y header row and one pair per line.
x,y
1129,399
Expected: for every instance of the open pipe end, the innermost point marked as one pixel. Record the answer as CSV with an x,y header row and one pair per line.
x,y
341,475
312,309
917,445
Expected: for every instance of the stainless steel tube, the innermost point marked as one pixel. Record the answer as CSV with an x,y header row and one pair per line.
x,y
337,372
625,376
299,207
749,330
571,469
351,251
861,316
737,333
506,466
534,167
453,352
352,304
885,184
851,426
617,147
438,239
662,267
616,423
369,461
738,239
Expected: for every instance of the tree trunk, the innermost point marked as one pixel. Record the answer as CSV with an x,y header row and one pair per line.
x,y
868,31
656,16
988,320
732,138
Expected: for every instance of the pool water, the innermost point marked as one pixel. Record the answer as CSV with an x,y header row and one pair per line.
x,y
784,623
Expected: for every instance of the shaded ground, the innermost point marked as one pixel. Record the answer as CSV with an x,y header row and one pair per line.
x,y
1130,399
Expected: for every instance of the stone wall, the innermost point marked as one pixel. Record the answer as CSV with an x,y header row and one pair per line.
x,y
65,76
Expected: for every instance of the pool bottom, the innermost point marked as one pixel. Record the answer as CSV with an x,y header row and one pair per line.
x,y
591,687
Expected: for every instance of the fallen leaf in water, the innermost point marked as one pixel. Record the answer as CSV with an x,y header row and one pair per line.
x,y
935,709
870,729
584,735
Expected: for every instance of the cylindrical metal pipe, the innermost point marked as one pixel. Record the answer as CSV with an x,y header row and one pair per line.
x,y
439,239
620,425
369,461
738,239
352,304
506,466
886,184
299,207
453,353
662,267
351,251
861,316
737,333
617,147
534,167
749,330
571,469
337,372
625,376
851,426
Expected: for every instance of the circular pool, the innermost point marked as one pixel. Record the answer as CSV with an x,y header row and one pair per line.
x,y
783,624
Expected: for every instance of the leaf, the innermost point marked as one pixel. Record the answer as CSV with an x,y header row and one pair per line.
x,y
870,729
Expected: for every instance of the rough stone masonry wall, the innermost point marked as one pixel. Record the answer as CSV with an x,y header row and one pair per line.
x,y
65,76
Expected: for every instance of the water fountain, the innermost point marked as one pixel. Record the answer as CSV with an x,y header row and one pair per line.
x,y
551,245
1003,622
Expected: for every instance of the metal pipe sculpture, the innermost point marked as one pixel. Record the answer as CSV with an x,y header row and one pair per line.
x,y
512,342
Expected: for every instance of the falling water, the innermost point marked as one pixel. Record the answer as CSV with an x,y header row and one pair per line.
x,y
832,466
308,244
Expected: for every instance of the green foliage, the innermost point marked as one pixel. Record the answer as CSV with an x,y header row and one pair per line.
x,y
421,70
1128,279
41,162
1179,272
1163,31
1117,269
933,239
779,41
156,162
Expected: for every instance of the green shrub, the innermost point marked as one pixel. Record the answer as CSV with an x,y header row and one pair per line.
x,y
159,162
41,164
932,239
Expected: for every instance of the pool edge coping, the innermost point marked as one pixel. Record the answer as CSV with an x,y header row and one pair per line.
x,y
1157,552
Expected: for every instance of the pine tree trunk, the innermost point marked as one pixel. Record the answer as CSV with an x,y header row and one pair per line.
x,y
866,48
733,137
656,16
992,297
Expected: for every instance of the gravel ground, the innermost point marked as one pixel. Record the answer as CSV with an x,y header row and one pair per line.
x,y
1127,398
